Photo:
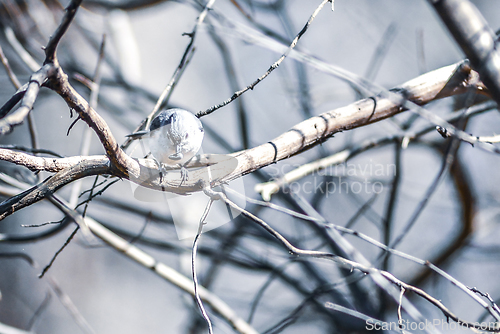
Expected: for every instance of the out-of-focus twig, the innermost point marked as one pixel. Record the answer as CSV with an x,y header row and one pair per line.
x,y
271,68
87,135
63,297
188,53
475,37
28,100
301,137
20,50
267,189
358,262
185,56
12,76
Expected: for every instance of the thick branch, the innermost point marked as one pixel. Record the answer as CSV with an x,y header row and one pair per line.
x,y
443,82
52,184
54,165
450,80
120,160
475,37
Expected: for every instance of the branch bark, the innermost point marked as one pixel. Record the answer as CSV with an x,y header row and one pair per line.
x,y
450,80
476,39
443,82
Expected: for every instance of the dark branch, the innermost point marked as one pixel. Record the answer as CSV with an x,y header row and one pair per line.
x,y
28,100
475,37
51,48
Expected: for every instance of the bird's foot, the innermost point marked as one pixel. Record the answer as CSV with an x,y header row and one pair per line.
x,y
161,169
184,175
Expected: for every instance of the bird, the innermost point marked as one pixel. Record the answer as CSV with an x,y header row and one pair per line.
x,y
175,137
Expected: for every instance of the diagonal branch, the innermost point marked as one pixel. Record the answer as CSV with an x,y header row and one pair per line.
x,y
28,100
423,89
119,159
52,184
475,37
271,68
446,81
51,48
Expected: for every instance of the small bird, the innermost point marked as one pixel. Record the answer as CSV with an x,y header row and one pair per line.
x,y
175,136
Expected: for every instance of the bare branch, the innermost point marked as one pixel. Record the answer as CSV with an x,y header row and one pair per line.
x,y
267,189
271,68
193,266
51,48
48,164
301,137
121,161
170,275
475,37
52,184
311,132
17,117
10,73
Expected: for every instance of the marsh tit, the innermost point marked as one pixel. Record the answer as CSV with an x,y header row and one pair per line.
x,y
175,136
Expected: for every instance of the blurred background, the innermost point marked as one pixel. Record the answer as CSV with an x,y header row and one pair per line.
x,y
92,288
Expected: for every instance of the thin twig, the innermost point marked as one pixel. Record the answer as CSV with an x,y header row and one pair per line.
x,y
400,316
70,307
381,51
366,269
230,70
170,275
271,68
487,296
12,76
66,243
362,264
165,272
40,309
20,50
87,136
199,302
391,205
370,321
445,165
178,71
51,48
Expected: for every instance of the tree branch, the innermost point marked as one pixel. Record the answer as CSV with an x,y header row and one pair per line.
x,y
475,37
51,48
443,82
52,184
446,81
28,100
